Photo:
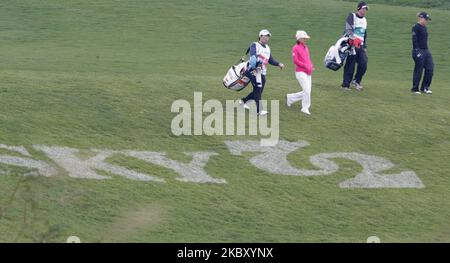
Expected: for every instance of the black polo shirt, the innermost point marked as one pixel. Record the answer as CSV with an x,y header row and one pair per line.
x,y
419,36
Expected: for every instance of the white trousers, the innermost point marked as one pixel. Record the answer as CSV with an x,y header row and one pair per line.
x,y
305,96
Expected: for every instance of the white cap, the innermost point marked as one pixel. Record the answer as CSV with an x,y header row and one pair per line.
x,y
301,34
264,32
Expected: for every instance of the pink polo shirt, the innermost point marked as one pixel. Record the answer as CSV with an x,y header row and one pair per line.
x,y
302,59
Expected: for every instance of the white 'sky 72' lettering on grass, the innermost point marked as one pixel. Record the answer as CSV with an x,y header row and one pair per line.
x,y
272,159
78,167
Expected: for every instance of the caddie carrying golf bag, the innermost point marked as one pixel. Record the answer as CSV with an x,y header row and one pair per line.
x,y
337,53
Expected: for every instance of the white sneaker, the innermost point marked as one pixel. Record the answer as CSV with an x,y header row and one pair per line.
x,y
357,86
241,102
416,92
427,91
306,112
263,112
287,101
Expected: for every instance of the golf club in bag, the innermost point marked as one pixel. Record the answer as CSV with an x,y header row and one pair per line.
x,y
337,54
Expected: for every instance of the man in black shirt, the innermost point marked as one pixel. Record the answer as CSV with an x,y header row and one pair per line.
x,y
421,55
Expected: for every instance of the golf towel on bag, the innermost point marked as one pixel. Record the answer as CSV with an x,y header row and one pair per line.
x,y
235,78
337,54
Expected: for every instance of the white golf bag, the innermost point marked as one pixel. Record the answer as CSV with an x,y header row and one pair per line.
x,y
235,78
337,54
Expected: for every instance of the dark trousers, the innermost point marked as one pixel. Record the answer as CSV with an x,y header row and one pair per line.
x,y
423,60
349,70
257,89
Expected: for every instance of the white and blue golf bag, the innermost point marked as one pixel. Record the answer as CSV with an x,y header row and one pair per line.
x,y
337,54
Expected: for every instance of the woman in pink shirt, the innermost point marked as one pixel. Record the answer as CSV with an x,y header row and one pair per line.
x,y
303,71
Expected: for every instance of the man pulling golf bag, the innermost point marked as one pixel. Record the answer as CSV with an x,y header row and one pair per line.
x,y
337,54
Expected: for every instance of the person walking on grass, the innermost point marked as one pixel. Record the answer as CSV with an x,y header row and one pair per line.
x,y
356,30
422,55
260,56
303,71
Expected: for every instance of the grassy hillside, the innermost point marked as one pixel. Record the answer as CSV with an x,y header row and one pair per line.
x,y
103,74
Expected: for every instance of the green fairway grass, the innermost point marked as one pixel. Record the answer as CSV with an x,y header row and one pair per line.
x,y
103,74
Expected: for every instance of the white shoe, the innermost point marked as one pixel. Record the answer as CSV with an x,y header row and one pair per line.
x,y
417,92
306,112
287,101
263,112
241,102
357,86
427,91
